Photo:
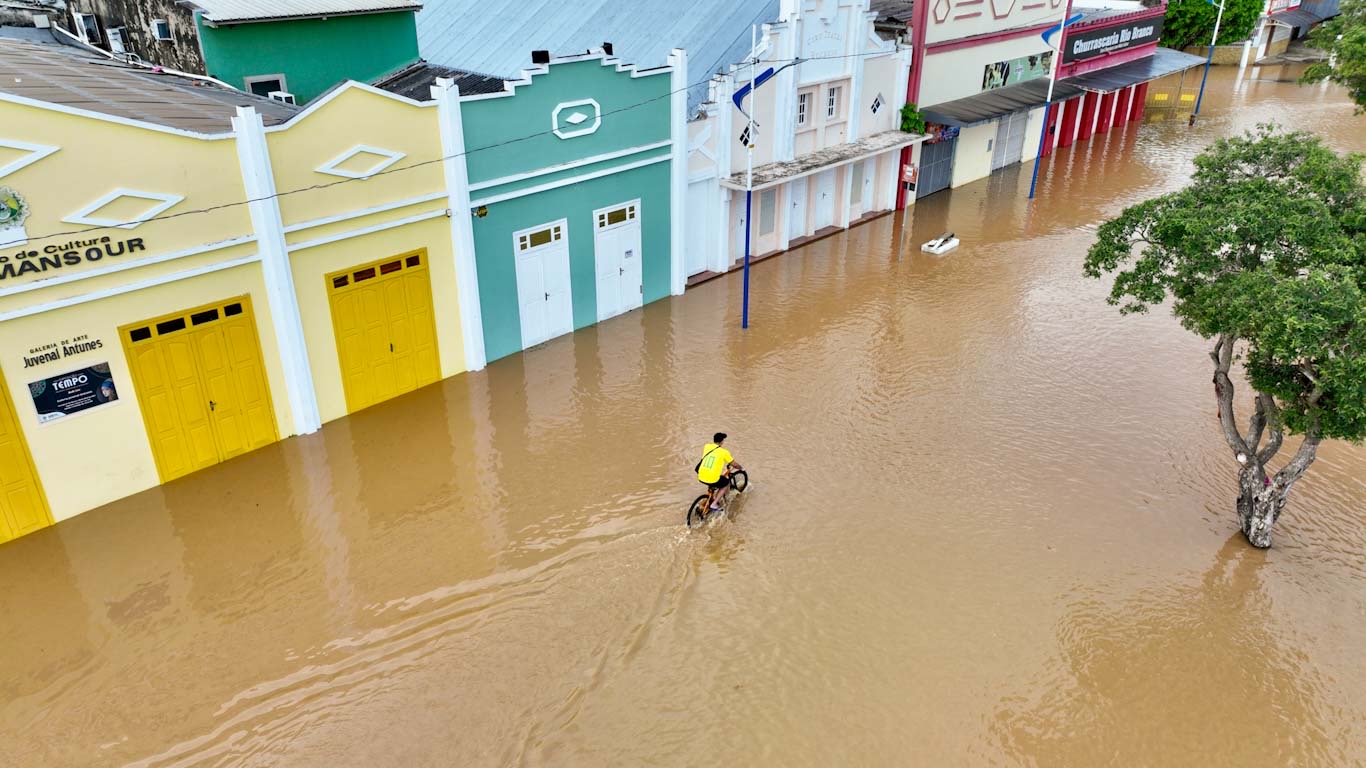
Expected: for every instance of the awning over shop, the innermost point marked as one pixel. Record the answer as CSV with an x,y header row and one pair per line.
x,y
989,105
772,174
1297,17
1162,63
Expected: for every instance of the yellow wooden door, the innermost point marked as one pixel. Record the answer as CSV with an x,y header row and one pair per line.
x,y
201,383
385,328
174,406
23,507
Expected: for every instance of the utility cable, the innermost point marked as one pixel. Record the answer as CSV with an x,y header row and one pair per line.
x,y
423,163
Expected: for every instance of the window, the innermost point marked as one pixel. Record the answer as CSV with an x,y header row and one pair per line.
x,y
161,29
281,96
768,206
87,27
618,216
264,85
832,102
116,40
171,326
856,195
877,103
744,136
527,241
803,109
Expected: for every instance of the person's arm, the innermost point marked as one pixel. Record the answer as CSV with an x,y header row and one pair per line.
x,y
735,464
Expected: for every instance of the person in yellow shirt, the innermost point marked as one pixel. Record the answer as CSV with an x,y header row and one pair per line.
x,y
715,467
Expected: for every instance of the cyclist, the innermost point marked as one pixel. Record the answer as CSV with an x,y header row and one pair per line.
x,y
715,467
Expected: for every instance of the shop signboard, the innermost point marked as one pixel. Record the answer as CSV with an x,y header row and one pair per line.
x,y
1283,5
1090,43
69,393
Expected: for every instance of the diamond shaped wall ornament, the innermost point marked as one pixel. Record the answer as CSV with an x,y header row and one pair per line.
x,y
87,215
576,118
380,159
35,152
1002,8
941,10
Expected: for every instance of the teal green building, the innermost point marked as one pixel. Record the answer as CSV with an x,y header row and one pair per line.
x,y
572,224
304,48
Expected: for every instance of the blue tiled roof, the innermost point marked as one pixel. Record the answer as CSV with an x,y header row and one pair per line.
x,y
498,37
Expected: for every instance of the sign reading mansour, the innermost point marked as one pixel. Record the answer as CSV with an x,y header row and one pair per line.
x,y
69,254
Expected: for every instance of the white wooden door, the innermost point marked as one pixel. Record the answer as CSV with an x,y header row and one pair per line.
x,y
825,199
870,185
796,215
698,239
616,246
544,299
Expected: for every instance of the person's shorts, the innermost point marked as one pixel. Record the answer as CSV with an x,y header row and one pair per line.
x,y
724,482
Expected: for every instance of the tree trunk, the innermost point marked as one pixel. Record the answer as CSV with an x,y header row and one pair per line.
x,y
1259,504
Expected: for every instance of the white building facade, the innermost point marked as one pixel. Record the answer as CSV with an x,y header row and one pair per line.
x,y
826,138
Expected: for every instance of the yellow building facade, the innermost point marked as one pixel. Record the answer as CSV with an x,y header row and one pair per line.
x,y
170,298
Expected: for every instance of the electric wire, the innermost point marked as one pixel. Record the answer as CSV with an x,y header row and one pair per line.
x,y
433,161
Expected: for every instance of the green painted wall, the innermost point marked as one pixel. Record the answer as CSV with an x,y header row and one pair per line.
x,y
635,112
313,54
494,251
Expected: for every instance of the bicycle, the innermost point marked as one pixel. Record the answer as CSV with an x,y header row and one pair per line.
x,y
700,509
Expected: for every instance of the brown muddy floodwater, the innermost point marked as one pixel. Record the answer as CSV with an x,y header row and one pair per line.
x,y
990,524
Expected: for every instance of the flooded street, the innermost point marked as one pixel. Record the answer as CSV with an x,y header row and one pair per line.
x,y
991,523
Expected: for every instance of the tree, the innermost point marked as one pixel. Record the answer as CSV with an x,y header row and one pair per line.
x,y
1191,22
1344,39
1265,255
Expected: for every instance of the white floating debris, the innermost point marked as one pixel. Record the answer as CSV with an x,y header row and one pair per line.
x,y
941,245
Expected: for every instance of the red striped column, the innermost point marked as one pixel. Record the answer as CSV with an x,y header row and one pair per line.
x,y
1069,123
1107,111
1088,115
1126,98
1051,134
1140,98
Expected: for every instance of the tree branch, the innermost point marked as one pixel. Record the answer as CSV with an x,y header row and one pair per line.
x,y
1303,457
1223,393
1273,418
1256,426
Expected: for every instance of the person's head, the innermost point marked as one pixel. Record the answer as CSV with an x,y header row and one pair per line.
x,y
718,438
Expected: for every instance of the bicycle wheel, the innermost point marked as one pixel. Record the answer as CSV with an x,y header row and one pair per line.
x,y
739,481
697,512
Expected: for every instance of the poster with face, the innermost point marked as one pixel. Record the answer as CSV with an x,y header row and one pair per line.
x,y
70,393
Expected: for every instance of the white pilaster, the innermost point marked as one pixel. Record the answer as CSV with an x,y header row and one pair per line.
x,y
857,36
784,129
725,122
456,172
258,180
678,172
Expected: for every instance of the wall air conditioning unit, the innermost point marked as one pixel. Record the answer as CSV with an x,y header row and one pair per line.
x,y
161,29
282,96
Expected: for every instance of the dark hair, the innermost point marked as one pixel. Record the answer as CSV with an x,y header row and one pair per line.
x,y
718,438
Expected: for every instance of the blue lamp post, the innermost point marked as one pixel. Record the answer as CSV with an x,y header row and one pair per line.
x,y
1208,58
1052,78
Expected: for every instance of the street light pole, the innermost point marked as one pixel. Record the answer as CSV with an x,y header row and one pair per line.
x,y
1052,78
749,166
1208,59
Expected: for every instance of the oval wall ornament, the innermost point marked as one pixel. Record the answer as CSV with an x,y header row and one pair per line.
x,y
576,118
